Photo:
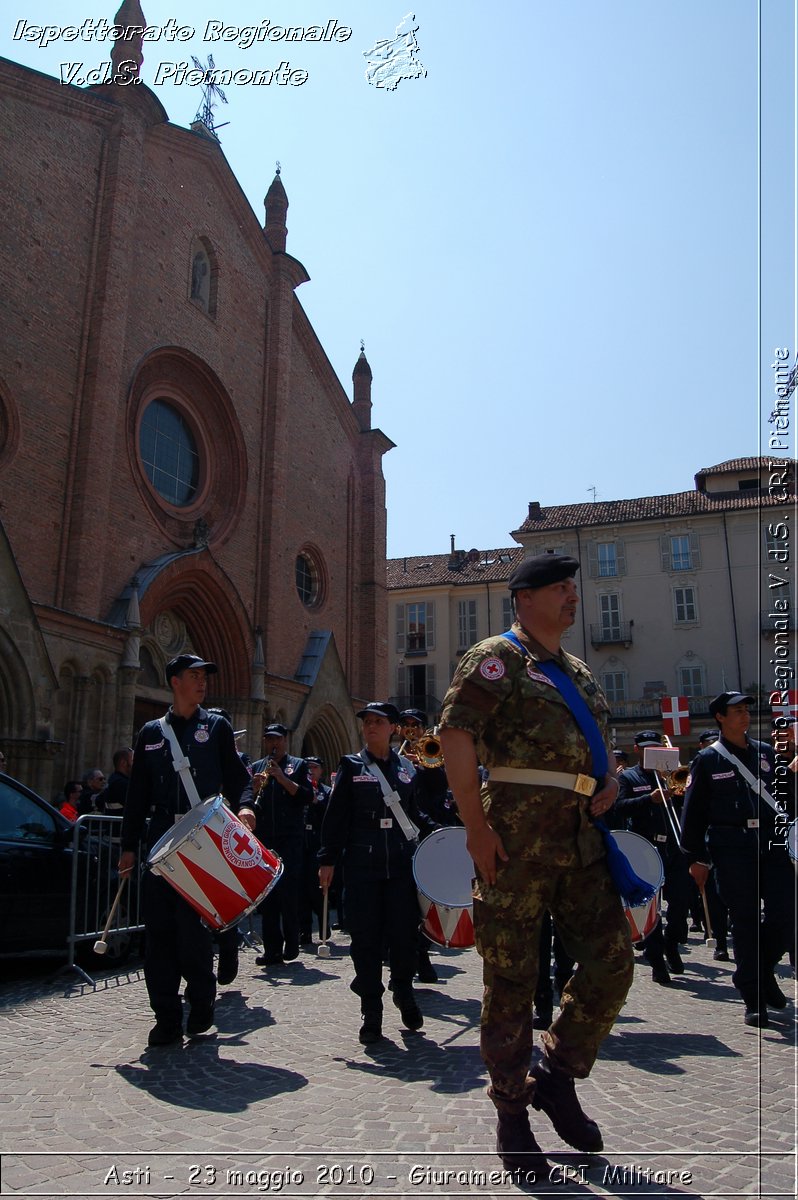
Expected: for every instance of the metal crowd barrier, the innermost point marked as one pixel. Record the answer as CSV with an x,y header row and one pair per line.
x,y
95,881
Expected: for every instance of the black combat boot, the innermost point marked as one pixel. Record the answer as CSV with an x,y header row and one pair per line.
x,y
517,1148
405,1000
371,1029
555,1094
771,992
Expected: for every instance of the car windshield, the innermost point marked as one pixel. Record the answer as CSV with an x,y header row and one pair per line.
x,y
22,819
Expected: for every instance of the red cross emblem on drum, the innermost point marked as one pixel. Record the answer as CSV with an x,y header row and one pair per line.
x,y
492,668
239,847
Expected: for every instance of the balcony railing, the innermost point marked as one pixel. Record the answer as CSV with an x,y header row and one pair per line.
x,y
611,635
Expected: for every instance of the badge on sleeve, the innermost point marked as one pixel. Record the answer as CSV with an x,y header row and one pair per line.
x,y
492,668
403,776
764,764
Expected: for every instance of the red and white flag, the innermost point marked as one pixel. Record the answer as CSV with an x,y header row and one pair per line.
x,y
675,715
787,707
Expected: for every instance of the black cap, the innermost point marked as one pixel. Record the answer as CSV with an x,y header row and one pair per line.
x,y
621,754
542,570
383,708
725,699
709,735
185,662
311,758
413,714
275,730
222,712
648,737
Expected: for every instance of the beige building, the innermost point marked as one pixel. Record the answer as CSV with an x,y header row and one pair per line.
x,y
682,595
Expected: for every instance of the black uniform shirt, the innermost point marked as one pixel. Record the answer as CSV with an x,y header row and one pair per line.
x,y
155,788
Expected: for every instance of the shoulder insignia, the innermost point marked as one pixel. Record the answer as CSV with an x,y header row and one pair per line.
x,y
492,668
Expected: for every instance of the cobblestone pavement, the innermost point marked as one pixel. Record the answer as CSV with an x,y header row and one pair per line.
x,y
283,1099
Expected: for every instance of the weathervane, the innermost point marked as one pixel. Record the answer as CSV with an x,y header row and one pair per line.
x,y
210,92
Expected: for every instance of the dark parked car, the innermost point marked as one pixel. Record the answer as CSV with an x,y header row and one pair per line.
x,y
37,858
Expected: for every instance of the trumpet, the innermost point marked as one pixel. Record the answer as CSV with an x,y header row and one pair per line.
x,y
426,749
676,781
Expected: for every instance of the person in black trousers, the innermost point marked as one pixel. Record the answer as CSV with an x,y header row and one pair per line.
x,y
371,842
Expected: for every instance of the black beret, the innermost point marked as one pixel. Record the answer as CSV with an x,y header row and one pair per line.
x,y
383,708
542,570
189,662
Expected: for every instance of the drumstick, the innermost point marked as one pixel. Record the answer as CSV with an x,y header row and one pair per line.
x,y
324,950
101,945
711,942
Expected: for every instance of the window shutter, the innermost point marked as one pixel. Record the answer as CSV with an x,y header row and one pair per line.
x,y
620,557
400,629
665,552
401,683
695,552
431,680
430,644
592,560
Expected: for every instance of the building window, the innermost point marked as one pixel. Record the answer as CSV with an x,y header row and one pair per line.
x,y
610,614
606,560
466,623
416,687
306,581
680,552
507,613
614,685
415,627
685,605
169,453
691,681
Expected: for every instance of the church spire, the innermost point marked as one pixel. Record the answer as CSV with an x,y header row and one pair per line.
x,y
125,50
361,391
276,203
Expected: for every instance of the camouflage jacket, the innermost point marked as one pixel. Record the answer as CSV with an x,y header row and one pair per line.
x,y
518,718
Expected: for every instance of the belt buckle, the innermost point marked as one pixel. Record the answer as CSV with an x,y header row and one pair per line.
x,y
585,785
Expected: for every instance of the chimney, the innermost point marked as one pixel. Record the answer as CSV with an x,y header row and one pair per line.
x,y
535,513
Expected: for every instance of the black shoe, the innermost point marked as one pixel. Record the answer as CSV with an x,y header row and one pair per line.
x,y
721,955
269,960
674,961
660,975
427,973
405,1001
163,1034
290,952
542,1020
556,1095
306,939
517,1148
772,994
370,1031
200,1020
227,970
757,1017
696,928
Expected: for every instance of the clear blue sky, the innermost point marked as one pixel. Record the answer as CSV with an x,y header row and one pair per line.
x,y
550,244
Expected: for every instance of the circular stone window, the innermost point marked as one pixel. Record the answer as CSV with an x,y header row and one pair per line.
x,y
307,580
169,454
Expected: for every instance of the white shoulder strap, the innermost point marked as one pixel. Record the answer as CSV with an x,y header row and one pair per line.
x,y
391,799
181,763
756,785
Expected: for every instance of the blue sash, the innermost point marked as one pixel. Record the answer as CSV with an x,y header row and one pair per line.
x,y
577,706
631,887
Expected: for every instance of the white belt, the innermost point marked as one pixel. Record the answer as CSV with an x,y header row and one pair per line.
x,y
585,785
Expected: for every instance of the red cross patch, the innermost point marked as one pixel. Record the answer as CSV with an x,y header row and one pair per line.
x,y
492,668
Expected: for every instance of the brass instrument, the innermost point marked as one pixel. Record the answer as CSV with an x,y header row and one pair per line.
x,y
676,781
426,748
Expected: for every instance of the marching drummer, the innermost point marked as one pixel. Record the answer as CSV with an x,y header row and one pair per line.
x,y
177,943
369,833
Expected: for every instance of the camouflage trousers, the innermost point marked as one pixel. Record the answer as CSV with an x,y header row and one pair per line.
x,y
589,917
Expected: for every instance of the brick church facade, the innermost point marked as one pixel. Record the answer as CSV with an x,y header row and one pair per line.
x,y
180,467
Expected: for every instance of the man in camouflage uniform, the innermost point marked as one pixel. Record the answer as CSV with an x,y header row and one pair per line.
x,y
535,848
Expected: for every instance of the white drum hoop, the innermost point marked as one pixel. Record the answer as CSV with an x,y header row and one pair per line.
x,y
644,859
443,869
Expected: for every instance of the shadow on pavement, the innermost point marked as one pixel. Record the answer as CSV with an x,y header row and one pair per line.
x,y
448,1069
195,1076
658,1052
